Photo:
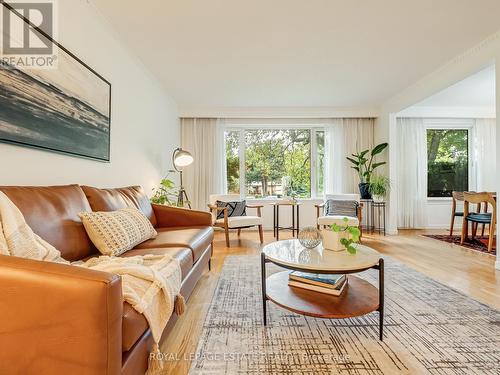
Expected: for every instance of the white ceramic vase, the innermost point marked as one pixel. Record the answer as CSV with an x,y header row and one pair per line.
x,y
331,239
378,198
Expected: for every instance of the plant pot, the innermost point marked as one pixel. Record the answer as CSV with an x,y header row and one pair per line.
x,y
331,239
378,198
364,190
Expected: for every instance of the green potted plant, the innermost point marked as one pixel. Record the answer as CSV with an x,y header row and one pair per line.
x,y
341,237
364,165
379,187
166,193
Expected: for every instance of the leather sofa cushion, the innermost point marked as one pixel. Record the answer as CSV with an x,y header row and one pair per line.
x,y
52,213
197,239
134,324
115,199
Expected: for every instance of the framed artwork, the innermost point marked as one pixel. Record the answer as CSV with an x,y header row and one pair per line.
x,y
66,109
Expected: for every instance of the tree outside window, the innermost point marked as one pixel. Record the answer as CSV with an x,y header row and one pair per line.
x,y
447,161
277,162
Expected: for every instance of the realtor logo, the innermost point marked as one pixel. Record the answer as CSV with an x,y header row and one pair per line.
x,y
27,30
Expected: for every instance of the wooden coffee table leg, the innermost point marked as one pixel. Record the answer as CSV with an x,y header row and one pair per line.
x,y
264,298
381,298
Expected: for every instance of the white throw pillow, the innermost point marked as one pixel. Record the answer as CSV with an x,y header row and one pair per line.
x,y
116,232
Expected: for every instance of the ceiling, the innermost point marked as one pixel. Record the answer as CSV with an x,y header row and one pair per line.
x,y
477,90
296,53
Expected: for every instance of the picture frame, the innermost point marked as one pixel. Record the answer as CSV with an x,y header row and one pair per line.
x,y
65,110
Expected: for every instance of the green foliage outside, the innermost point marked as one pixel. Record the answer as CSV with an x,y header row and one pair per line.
x,y
447,161
232,162
271,155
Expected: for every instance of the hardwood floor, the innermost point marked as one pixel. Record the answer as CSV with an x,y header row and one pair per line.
x,y
465,270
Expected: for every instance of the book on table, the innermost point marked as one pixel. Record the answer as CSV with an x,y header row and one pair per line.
x,y
337,291
322,280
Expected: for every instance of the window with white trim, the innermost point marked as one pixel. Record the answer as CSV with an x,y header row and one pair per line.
x,y
275,162
448,164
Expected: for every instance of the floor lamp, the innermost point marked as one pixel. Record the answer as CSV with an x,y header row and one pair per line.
x,y
180,159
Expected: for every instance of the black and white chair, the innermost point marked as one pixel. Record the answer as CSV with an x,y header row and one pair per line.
x,y
336,207
229,212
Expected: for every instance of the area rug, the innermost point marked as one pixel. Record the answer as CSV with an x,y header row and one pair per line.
x,y
478,244
429,329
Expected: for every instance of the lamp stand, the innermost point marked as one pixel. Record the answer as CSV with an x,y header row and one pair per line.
x,y
182,194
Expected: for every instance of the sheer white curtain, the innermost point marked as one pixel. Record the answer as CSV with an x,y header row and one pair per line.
x,y
343,137
484,153
411,184
204,139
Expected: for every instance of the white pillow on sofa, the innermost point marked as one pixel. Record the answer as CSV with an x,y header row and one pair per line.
x,y
116,232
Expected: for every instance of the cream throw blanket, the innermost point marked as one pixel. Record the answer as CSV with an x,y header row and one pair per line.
x,y
150,283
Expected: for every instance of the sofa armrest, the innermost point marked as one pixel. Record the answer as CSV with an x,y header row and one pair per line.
x,y
167,216
58,318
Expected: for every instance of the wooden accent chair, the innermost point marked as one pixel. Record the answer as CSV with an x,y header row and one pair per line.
x,y
234,222
457,196
479,217
354,216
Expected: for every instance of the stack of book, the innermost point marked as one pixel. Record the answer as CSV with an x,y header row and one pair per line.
x,y
328,284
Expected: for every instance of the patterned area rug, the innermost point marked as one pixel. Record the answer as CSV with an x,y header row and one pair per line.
x,y
430,329
479,243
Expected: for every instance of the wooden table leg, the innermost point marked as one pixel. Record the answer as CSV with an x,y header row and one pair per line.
x,y
381,298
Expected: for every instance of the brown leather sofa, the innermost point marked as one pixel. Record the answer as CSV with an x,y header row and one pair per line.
x,y
61,319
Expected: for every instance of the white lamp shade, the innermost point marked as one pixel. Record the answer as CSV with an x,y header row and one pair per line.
x,y
182,158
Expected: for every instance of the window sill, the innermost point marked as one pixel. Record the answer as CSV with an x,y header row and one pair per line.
x,y
439,201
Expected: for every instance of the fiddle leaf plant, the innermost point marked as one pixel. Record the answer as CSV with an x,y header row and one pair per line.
x,y
364,164
354,234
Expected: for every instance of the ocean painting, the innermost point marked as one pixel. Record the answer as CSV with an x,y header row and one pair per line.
x,y
65,109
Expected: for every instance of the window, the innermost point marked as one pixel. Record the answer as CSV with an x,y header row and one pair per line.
x,y
276,162
232,162
447,161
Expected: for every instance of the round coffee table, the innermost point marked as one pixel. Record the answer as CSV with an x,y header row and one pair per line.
x,y
359,297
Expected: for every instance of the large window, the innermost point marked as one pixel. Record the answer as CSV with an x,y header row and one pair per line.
x,y
265,163
447,161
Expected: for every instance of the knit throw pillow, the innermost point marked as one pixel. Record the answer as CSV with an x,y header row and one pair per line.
x,y
116,232
238,208
341,208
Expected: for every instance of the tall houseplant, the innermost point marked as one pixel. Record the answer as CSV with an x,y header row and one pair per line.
x,y
364,165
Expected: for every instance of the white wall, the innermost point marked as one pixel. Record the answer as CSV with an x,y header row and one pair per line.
x,y
144,127
468,63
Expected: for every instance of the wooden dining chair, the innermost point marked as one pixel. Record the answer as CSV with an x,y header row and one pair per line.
x,y
457,196
479,217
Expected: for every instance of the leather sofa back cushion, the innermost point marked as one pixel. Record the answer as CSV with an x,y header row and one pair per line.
x,y
52,213
116,199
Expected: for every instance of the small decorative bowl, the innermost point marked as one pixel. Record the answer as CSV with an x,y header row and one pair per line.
x,y
310,237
